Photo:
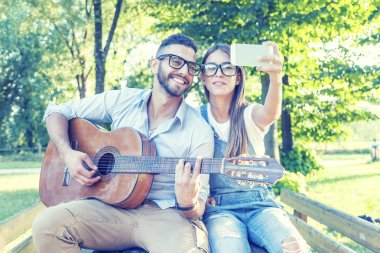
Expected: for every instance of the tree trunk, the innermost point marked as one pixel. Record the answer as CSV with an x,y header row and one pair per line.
x,y
286,125
81,83
271,142
271,138
98,52
286,128
29,128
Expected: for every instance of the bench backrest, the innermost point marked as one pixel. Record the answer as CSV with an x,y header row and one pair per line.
x,y
359,230
15,232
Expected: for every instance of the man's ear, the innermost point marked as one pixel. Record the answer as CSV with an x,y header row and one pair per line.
x,y
154,65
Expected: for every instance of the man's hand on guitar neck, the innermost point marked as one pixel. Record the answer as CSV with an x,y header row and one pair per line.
x,y
187,188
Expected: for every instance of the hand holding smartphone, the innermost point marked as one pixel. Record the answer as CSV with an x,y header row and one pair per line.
x,y
247,54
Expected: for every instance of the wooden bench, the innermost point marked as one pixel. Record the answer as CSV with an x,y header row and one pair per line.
x,y
15,232
363,232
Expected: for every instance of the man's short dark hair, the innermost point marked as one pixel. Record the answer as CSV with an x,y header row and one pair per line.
x,y
177,39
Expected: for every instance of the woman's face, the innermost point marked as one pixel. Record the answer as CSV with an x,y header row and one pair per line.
x,y
220,84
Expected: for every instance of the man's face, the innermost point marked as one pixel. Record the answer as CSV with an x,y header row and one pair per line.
x,y
175,81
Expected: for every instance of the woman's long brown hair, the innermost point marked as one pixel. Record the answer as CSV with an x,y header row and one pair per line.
x,y
238,138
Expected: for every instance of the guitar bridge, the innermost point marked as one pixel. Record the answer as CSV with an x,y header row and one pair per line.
x,y
66,174
66,177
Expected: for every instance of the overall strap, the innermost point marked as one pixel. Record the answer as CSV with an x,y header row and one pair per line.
x,y
205,116
204,113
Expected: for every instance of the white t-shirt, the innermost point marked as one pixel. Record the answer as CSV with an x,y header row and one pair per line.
x,y
255,133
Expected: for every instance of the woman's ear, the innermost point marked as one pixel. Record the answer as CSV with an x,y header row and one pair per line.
x,y
238,77
203,79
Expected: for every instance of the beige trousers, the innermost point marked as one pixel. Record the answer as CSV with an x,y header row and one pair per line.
x,y
94,225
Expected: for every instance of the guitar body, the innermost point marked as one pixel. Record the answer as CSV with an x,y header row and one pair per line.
x,y
124,190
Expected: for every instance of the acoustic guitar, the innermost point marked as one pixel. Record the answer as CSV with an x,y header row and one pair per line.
x,y
127,164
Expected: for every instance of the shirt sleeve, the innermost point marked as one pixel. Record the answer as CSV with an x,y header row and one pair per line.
x,y
204,147
255,133
95,109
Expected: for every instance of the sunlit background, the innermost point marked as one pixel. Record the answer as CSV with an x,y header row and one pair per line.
x,y
329,128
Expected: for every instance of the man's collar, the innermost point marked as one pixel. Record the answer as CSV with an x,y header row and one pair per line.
x,y
181,112
145,98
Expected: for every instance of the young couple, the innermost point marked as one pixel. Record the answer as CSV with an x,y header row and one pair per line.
x,y
167,221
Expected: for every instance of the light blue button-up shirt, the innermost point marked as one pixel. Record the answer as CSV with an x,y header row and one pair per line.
x,y
185,135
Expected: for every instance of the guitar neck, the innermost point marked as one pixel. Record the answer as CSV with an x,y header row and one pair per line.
x,y
162,165
265,170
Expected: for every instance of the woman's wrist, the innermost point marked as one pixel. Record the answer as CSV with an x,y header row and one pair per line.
x,y
275,79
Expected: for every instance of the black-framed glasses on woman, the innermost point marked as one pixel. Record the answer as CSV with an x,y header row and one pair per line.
x,y
210,69
177,62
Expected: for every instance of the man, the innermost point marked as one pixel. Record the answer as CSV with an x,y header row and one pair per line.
x,y
165,221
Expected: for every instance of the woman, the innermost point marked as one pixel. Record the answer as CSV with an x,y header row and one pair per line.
x,y
240,214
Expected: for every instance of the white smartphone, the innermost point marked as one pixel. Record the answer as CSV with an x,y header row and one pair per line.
x,y
247,54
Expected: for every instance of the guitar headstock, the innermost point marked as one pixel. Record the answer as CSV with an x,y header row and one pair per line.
x,y
257,169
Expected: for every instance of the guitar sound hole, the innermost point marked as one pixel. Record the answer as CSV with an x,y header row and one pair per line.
x,y
106,163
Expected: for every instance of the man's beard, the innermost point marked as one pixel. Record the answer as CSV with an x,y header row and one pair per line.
x,y
164,82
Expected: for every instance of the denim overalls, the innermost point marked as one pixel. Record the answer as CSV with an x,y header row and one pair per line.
x,y
243,214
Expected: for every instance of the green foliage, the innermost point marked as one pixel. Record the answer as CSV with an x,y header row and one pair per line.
x,y
46,46
46,51
25,88
322,92
320,112
293,181
24,156
300,160
142,78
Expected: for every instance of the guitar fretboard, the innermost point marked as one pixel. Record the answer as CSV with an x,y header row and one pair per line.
x,y
164,165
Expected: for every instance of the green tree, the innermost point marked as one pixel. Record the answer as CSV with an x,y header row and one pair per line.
x,y
79,27
24,84
319,95
47,54
100,52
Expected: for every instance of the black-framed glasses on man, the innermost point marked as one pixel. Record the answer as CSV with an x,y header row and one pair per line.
x,y
210,69
177,62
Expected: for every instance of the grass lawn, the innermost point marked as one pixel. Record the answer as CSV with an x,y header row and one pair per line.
x,y
349,183
19,165
21,161
17,192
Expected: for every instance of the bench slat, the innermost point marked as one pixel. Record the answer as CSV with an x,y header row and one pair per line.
x,y
318,240
18,224
361,231
28,247
23,244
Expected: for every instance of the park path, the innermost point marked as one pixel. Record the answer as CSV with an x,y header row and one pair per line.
x,y
20,171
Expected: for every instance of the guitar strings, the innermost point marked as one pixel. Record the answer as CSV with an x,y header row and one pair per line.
x,y
164,161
